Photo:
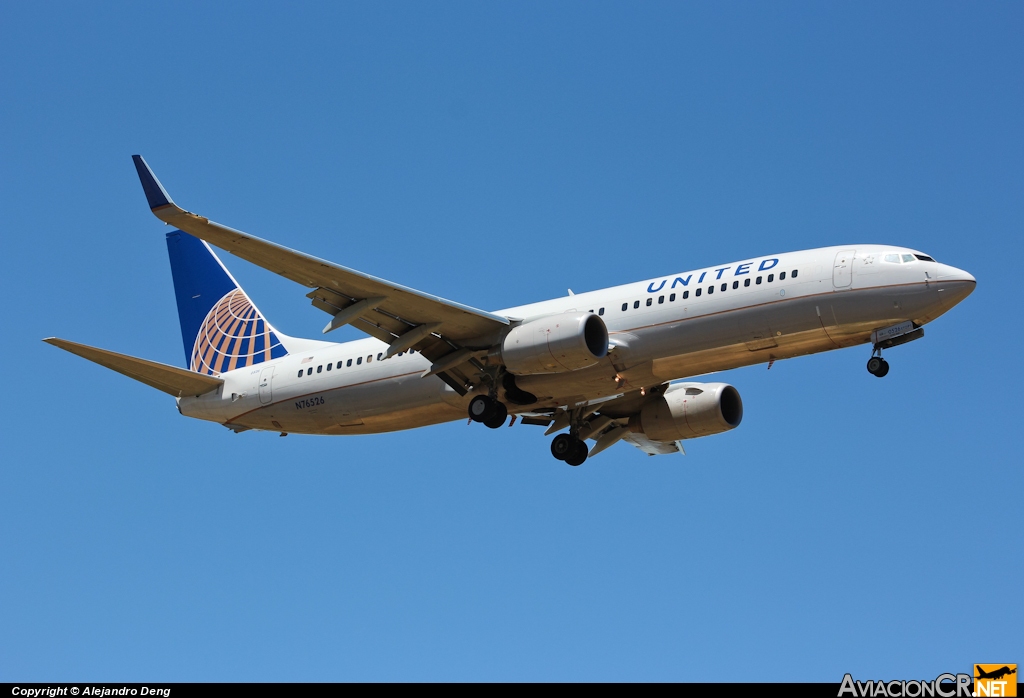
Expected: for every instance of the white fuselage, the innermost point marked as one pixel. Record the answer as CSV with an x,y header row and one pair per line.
x,y
667,331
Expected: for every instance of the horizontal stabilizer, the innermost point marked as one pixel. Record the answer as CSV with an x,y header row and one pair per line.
x,y
170,379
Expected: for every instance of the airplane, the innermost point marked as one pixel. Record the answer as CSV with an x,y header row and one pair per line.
x,y
996,674
610,365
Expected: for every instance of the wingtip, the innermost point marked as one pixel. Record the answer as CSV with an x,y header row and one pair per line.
x,y
156,195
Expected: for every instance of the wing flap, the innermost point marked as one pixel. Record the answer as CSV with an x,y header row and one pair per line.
x,y
170,379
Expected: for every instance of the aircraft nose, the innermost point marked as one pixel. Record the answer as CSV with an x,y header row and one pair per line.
x,y
954,284
948,273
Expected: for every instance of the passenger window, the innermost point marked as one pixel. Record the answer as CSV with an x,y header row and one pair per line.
x,y
330,366
349,363
379,356
359,361
725,286
369,359
771,278
697,293
757,280
636,304
794,273
908,258
894,258
601,311
746,282
649,301
624,306
300,373
320,369
309,371
339,365
661,299
686,294
782,276
671,298
735,284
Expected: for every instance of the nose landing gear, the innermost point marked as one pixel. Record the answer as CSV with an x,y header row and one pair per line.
x,y
877,366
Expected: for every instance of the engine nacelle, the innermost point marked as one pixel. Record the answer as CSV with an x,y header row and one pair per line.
x,y
689,410
555,344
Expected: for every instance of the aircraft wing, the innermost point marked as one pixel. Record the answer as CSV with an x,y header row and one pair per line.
x,y
399,315
170,379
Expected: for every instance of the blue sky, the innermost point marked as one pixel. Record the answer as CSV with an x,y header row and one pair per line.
x,y
497,154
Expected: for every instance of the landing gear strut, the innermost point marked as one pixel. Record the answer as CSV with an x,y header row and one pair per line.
x,y
487,410
877,366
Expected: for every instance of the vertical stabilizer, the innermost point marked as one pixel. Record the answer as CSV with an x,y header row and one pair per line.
x,y
220,327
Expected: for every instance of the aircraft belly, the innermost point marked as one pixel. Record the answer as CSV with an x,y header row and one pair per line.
x,y
398,420
795,327
387,404
852,316
399,392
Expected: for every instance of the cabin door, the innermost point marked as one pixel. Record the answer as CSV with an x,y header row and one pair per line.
x,y
841,270
266,379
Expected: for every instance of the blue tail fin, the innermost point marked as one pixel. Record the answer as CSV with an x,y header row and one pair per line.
x,y
220,327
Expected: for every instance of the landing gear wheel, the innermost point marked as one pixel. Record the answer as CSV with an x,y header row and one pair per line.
x,y
883,370
578,453
497,419
562,446
875,365
481,407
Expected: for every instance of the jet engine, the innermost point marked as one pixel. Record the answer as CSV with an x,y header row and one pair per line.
x,y
689,410
555,344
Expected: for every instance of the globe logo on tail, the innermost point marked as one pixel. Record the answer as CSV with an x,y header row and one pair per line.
x,y
233,335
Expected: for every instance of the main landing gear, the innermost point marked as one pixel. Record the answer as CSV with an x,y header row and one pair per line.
x,y
565,447
488,411
569,448
877,366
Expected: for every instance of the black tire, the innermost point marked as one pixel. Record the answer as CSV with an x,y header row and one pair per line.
x,y
562,445
578,453
481,408
498,417
883,370
875,365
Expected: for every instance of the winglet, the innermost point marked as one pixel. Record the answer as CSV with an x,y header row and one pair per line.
x,y
156,195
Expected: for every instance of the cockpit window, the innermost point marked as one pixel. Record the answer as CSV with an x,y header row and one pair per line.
x,y
924,258
908,258
895,258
